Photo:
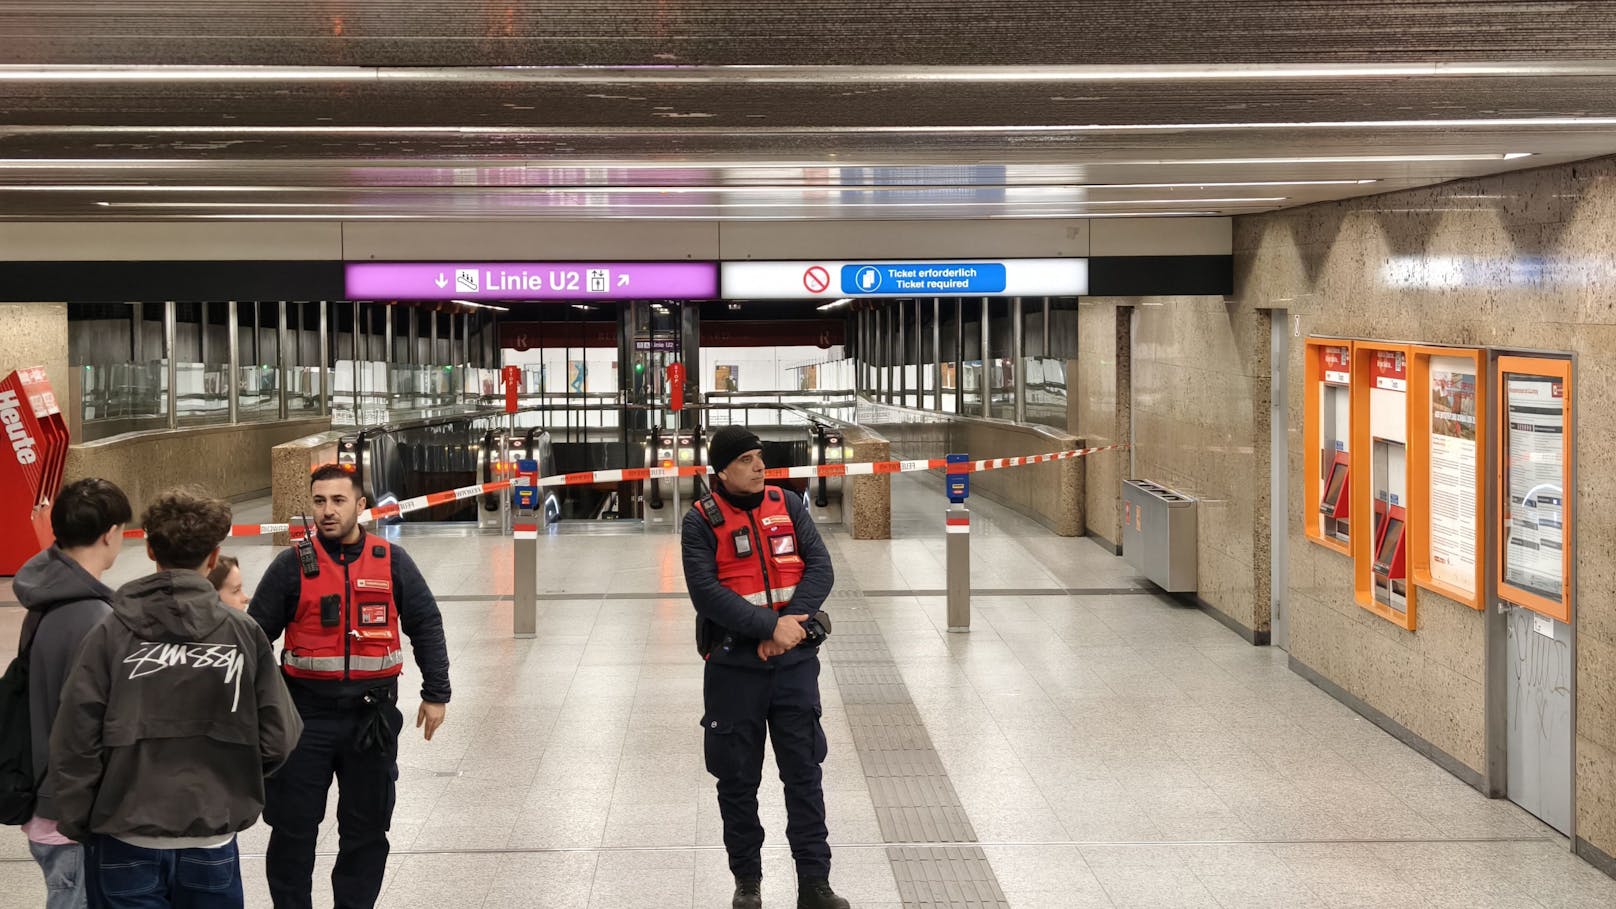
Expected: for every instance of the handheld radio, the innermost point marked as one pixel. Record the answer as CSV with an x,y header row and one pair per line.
x,y
306,559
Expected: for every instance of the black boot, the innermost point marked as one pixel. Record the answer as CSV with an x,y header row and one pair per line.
x,y
748,894
818,895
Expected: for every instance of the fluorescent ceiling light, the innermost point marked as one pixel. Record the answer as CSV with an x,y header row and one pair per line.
x,y
226,204
476,305
439,218
1333,159
797,74
714,206
835,304
1117,214
602,167
793,131
1226,184
1029,129
600,188
1181,201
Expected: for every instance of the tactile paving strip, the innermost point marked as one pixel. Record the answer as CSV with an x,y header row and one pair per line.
x,y
932,877
914,801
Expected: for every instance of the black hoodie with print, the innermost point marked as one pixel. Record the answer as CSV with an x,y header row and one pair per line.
x,y
172,718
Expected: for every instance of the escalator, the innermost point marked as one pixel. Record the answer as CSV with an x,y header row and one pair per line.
x,y
401,461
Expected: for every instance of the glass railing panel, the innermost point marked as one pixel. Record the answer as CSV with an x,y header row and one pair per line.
x,y
1046,391
202,394
258,394
971,380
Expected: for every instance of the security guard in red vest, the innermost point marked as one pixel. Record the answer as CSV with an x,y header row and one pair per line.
x,y
345,600
758,573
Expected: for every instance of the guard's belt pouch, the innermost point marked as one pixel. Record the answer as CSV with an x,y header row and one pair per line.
x,y
331,610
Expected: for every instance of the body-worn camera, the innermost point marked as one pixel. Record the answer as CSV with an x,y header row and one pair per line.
x,y
331,610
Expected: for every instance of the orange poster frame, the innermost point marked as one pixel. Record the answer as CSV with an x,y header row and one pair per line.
x,y
1419,470
1363,500
1312,461
1551,368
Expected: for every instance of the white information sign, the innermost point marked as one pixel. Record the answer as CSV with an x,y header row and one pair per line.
x,y
835,280
1535,476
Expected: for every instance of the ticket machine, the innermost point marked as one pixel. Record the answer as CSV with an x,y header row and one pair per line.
x,y
1391,583
1333,504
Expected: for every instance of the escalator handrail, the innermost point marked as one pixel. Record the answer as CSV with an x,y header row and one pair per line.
x,y
818,457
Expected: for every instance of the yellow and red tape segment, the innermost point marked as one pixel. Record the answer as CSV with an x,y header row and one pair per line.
x,y
637,474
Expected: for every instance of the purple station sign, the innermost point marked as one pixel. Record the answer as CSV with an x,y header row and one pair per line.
x,y
532,280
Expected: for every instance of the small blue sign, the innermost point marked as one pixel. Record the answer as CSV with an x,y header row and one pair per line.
x,y
924,278
958,485
526,497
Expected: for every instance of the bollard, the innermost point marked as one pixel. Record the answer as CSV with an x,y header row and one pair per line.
x,y
957,524
525,555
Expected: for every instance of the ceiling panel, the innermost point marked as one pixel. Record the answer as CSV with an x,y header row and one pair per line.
x,y
778,142
730,32
812,100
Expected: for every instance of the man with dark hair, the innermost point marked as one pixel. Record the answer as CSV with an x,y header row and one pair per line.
x,y
169,723
345,601
757,572
62,591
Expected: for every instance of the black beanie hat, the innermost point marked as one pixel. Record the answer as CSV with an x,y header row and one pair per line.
x,y
730,443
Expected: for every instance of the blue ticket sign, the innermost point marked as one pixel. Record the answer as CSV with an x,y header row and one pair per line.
x,y
526,496
827,279
957,485
924,278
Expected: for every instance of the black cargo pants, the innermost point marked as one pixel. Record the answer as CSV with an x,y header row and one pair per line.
x,y
336,742
742,706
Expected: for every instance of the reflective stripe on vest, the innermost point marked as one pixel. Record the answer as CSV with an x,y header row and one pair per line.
x,y
770,597
335,664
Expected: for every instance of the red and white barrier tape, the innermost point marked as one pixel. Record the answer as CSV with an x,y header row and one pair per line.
x,y
637,474
370,514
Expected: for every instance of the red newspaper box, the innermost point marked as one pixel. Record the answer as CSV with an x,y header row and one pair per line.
x,y
31,467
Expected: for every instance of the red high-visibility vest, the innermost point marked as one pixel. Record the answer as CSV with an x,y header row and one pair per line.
x,y
757,549
365,643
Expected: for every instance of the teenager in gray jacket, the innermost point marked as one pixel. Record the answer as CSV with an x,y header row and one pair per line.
x,y
61,589
170,722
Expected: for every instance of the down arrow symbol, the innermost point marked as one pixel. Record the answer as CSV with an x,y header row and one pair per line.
x,y
441,281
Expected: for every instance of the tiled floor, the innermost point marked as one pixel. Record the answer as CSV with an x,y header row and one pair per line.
x,y
1110,749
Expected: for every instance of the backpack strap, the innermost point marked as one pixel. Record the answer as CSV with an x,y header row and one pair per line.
x,y
26,645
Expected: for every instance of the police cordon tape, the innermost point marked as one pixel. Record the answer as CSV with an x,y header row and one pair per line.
x,y
636,474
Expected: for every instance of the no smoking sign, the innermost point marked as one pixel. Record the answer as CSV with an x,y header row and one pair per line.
x,y
816,279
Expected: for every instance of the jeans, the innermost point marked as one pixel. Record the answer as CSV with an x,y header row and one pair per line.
x,y
64,875
122,876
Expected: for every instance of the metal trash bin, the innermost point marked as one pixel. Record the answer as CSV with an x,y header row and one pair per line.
x,y
1158,534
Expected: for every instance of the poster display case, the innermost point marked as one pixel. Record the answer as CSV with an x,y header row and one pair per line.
x,y
1448,470
1534,480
